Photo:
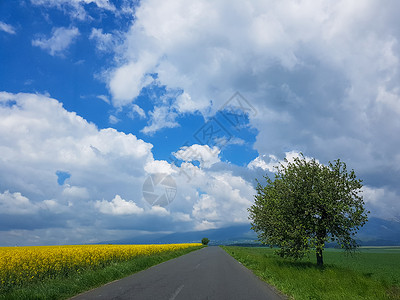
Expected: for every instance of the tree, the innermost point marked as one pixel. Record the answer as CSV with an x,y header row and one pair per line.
x,y
306,205
205,241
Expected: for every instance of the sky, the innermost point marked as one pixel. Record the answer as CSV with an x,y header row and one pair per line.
x,y
105,106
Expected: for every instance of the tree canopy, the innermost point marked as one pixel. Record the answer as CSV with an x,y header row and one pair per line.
x,y
306,205
205,241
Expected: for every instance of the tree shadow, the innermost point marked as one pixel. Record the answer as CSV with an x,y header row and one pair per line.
x,y
368,275
302,265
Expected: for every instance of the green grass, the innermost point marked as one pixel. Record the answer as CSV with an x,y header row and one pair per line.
x,y
65,287
373,273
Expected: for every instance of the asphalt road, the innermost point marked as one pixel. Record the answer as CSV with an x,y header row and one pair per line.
x,y
208,273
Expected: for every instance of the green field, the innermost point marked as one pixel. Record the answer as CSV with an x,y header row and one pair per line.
x,y
372,273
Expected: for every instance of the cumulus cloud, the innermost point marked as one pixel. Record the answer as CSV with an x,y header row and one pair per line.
x,y
223,200
259,162
60,40
127,81
204,154
159,166
205,208
7,28
118,206
158,211
16,204
274,162
185,104
212,198
323,77
102,164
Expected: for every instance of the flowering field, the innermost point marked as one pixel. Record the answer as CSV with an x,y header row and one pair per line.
x,y
20,265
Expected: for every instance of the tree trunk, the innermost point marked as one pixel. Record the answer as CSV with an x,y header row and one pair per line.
x,y
321,235
320,260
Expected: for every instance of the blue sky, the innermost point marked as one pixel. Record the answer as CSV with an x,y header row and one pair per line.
x,y
97,95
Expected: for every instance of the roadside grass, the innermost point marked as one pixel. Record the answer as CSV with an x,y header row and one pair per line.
x,y
369,274
63,287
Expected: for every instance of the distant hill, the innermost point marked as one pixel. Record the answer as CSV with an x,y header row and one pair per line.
x,y
220,236
380,232
377,232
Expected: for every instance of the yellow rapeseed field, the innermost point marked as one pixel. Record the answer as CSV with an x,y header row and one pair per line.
x,y
19,265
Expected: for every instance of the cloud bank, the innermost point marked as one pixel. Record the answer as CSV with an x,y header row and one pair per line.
x,y
323,77
103,171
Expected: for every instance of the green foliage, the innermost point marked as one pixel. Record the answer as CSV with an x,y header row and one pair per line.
x,y
306,205
205,241
370,274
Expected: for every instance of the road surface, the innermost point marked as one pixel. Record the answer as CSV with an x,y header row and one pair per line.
x,y
208,273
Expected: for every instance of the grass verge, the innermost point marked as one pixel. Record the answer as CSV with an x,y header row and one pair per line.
x,y
63,287
367,275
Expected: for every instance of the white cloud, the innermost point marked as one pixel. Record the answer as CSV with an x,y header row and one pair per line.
x,y
213,199
235,141
60,40
158,211
158,166
55,207
225,141
138,110
205,225
205,155
181,217
382,202
105,42
15,203
104,98
185,104
323,78
101,3
259,162
118,206
206,208
7,28
103,164
75,8
113,119
127,82
75,192
160,117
